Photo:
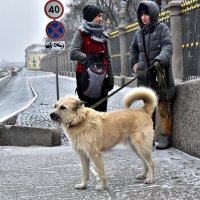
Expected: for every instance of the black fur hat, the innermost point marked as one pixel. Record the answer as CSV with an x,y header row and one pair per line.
x,y
90,12
143,9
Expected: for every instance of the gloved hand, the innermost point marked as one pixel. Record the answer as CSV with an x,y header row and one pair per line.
x,y
109,82
95,57
157,65
160,75
110,87
91,58
100,56
110,79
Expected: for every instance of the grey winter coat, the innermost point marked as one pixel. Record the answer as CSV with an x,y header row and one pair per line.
x,y
159,47
77,54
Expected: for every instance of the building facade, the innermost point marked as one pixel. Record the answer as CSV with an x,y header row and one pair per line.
x,y
33,56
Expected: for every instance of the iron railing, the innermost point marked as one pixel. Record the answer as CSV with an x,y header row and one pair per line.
x,y
190,13
191,39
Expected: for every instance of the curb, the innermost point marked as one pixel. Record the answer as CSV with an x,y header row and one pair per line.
x,y
28,136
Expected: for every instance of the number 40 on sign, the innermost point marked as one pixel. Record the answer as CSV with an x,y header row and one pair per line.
x,y
54,9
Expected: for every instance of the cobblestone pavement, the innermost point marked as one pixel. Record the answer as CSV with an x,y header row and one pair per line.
x,y
45,173
37,115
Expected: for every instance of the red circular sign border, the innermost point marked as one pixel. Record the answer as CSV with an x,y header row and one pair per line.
x,y
58,3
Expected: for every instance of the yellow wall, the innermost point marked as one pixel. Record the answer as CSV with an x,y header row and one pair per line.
x,y
36,57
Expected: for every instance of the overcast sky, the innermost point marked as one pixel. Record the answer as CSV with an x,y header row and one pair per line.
x,y
22,23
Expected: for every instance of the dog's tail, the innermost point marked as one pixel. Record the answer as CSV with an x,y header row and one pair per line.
x,y
142,93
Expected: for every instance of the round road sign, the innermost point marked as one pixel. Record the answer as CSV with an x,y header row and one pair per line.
x,y
55,30
54,9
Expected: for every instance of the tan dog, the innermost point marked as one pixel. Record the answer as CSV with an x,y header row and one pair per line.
x,y
92,132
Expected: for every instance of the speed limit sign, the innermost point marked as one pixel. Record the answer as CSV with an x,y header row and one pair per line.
x,y
54,9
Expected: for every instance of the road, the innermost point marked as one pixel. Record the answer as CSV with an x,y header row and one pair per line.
x,y
17,94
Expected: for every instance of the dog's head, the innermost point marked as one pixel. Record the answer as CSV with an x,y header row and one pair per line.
x,y
68,111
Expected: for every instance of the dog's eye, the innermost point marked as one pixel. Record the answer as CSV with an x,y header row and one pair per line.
x,y
62,107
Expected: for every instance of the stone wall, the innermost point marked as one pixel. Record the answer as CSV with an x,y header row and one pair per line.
x,y
186,118
186,114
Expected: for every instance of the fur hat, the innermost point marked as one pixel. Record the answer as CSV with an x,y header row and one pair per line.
x,y
90,12
143,9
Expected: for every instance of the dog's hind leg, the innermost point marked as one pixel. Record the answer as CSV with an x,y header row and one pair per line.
x,y
143,150
143,175
150,165
85,161
96,157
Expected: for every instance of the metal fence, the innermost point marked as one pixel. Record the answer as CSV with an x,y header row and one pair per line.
x,y
190,14
115,48
115,56
191,40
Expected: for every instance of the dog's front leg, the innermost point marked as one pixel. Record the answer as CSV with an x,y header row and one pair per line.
x,y
85,170
98,162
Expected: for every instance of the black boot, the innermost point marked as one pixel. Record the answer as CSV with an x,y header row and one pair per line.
x,y
165,142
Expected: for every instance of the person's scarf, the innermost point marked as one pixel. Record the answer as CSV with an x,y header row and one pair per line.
x,y
95,30
150,27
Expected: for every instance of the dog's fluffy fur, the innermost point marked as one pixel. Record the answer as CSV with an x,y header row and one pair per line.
x,y
92,132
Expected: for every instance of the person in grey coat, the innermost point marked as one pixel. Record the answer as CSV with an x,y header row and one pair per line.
x,y
152,45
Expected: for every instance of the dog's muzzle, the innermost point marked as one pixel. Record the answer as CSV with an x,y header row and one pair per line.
x,y
54,116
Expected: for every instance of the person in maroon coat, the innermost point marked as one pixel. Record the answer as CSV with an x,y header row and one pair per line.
x,y
89,48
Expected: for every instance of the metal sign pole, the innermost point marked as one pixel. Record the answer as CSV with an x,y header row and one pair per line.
x,y
55,30
57,81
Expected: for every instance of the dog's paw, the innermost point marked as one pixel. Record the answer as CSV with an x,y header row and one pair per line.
x,y
148,180
100,187
141,176
81,186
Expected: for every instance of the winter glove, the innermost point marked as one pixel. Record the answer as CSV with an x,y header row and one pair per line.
x,y
110,79
158,69
161,78
109,86
157,66
95,57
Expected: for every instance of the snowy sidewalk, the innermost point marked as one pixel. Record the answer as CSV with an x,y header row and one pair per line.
x,y
45,173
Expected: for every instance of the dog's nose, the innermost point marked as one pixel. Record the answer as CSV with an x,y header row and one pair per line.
x,y
54,116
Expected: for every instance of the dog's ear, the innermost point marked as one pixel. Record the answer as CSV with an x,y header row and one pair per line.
x,y
77,104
